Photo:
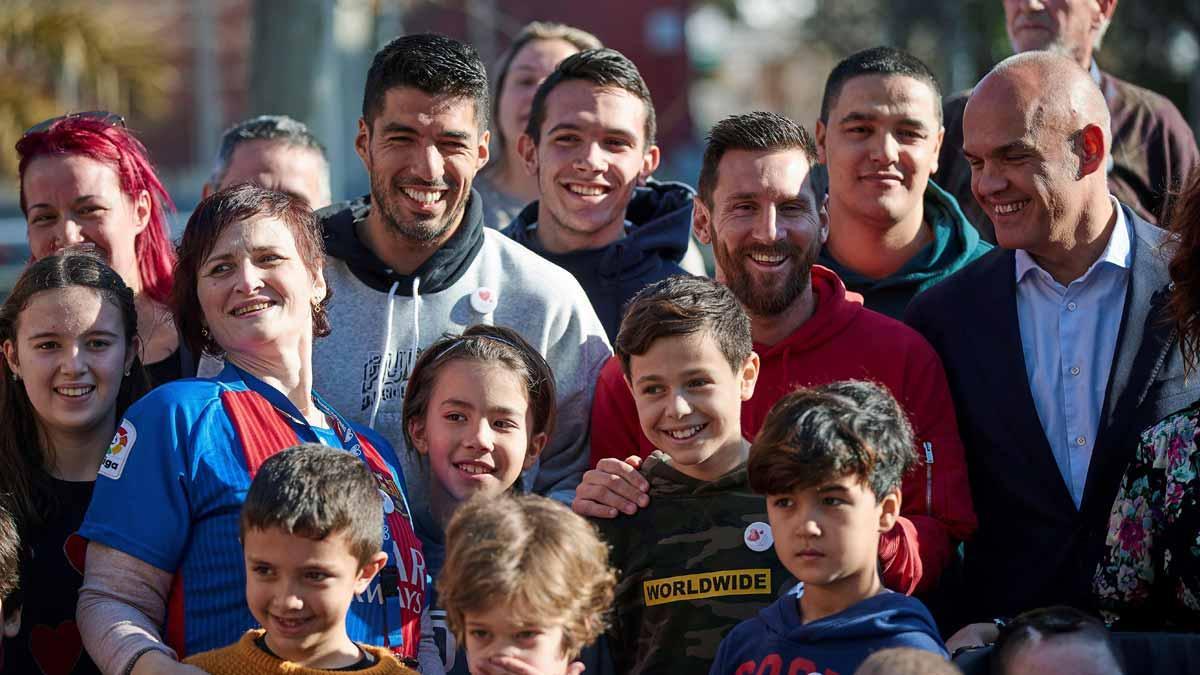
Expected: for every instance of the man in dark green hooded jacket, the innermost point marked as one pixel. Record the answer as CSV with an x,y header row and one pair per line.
x,y
892,232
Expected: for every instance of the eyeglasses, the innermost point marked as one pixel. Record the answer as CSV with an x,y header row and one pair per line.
x,y
110,118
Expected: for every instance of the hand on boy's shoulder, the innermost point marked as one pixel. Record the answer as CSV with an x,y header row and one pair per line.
x,y
615,486
508,665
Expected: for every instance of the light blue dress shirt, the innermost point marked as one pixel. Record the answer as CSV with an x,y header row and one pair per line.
x,y
1069,338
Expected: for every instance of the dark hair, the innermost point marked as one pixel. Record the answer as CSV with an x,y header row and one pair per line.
x,y
1045,624
218,211
26,458
482,343
848,428
532,32
684,305
1184,268
532,556
602,68
756,131
878,61
10,554
116,146
314,491
265,128
432,63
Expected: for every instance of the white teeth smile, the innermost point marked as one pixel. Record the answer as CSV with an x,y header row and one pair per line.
x,y
767,258
684,434
74,391
586,190
251,308
425,197
1005,209
473,469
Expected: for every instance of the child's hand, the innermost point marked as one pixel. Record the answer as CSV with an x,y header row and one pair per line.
x,y
510,665
613,487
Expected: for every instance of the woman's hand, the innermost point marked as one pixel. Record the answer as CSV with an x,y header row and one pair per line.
x,y
510,665
613,487
158,663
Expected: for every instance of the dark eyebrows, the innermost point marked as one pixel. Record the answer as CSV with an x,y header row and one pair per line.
x,y
77,200
826,489
397,128
856,116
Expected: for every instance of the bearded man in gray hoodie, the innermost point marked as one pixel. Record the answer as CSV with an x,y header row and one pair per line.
x,y
412,261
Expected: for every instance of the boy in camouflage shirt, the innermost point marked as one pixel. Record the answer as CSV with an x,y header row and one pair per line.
x,y
699,558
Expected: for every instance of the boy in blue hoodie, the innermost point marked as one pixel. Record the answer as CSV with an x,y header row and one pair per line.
x,y
829,461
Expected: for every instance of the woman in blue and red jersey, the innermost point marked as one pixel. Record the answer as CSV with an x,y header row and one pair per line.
x,y
165,575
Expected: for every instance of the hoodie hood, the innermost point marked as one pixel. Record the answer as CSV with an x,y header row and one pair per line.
x,y
955,244
885,615
658,223
444,267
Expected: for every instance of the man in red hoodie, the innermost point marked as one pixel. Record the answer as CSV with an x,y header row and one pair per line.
x,y
758,209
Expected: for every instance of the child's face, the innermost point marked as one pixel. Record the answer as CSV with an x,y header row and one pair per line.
x,y
830,533
476,429
689,402
299,590
494,636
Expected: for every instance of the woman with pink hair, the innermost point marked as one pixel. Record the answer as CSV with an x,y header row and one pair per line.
x,y
87,181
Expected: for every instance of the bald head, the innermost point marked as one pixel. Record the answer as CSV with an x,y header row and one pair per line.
x,y
1049,88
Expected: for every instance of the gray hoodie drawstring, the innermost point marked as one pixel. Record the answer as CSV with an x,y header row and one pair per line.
x,y
387,340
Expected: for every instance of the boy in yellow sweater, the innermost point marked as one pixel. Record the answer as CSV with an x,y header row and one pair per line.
x,y
312,528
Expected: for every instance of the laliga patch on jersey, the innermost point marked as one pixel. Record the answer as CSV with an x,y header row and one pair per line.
x,y
710,585
118,451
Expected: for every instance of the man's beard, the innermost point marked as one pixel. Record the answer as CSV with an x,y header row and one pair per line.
x,y
757,298
426,230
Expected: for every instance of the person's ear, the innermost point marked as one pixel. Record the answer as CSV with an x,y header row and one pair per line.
x,y
368,572
1107,7
823,218
749,376
650,160
12,624
534,449
527,149
10,355
484,153
141,211
320,289
135,348
701,220
416,431
819,138
937,150
362,143
1089,147
889,510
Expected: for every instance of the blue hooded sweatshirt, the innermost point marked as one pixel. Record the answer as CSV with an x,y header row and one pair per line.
x,y
658,222
777,642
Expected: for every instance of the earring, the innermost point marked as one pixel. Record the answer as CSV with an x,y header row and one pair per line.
x,y
204,332
16,377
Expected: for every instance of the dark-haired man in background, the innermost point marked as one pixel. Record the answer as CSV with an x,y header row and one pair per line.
x,y
758,209
1153,148
892,231
590,142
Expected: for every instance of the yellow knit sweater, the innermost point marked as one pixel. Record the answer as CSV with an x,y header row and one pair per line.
x,y
245,658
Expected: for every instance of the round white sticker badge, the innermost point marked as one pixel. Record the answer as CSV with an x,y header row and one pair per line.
x,y
484,300
758,537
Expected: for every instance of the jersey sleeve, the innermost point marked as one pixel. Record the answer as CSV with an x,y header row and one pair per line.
x,y
140,505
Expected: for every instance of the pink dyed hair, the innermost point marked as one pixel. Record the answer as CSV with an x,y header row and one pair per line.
x,y
116,146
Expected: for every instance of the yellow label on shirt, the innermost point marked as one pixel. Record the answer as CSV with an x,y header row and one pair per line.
x,y
709,585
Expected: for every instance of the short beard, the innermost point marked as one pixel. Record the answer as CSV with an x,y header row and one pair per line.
x,y
424,231
757,300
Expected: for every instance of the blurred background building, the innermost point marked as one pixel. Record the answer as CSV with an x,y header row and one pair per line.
x,y
181,71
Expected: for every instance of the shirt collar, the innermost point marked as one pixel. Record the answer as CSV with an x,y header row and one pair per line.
x,y
1117,253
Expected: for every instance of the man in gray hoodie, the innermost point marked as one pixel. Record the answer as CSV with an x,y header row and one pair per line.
x,y
412,261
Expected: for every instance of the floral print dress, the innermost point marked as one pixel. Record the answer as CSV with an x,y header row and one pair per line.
x,y
1150,570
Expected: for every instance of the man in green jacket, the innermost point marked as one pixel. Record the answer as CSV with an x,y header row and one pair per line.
x,y
892,232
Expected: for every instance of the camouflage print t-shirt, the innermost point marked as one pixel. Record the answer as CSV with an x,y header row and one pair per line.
x,y
694,563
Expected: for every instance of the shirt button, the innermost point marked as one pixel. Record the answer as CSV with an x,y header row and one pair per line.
x,y
1074,370
1080,440
1071,306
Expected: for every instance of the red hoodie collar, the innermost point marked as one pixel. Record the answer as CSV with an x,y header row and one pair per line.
x,y
836,308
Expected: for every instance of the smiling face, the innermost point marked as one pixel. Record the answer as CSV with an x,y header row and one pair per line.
x,y
495,633
422,153
277,165
592,154
765,227
880,145
255,290
299,590
1023,173
689,402
70,353
476,430
529,67
829,533
1067,26
72,200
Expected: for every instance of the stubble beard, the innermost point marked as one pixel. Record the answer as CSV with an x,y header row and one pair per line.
x,y
424,231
